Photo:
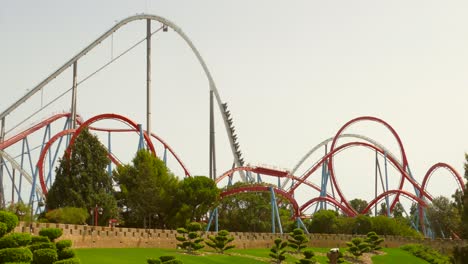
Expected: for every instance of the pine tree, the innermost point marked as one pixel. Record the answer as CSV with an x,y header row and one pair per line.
x,y
81,179
190,237
298,240
220,241
278,251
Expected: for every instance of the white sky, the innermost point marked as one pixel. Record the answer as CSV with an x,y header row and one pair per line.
x,y
292,72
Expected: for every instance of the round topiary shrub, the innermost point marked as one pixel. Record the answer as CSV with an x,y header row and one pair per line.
x,y
10,219
15,240
62,244
68,261
153,261
15,255
44,256
66,253
42,245
51,233
39,239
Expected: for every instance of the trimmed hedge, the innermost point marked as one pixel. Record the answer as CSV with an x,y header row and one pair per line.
x,y
66,253
42,245
51,233
15,255
15,240
44,256
426,253
39,239
62,244
10,219
3,229
68,261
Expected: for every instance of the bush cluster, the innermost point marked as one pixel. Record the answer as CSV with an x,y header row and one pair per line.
x,y
165,260
51,233
428,254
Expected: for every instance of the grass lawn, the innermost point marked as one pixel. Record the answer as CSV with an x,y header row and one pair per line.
x,y
244,256
396,255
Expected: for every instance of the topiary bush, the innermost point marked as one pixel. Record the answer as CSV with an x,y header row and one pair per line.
x,y
44,256
220,242
374,241
68,261
3,229
297,240
308,258
15,240
190,237
62,244
66,253
15,255
42,245
51,233
164,259
357,247
10,220
278,251
39,239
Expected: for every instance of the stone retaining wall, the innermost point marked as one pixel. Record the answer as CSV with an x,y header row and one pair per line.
x,y
117,237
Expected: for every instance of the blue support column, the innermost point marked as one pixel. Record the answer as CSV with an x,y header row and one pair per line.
x,y
300,224
216,220
141,143
165,156
259,179
275,212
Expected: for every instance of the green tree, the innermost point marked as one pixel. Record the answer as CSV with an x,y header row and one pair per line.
x,y
195,196
68,215
81,179
357,247
220,242
398,210
464,210
147,191
324,221
190,237
278,251
443,217
359,205
297,240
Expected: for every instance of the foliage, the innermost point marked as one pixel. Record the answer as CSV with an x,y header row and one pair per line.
x,y
41,245
359,205
298,240
443,217
9,219
62,244
460,254
357,247
195,196
147,190
52,233
15,255
251,212
81,179
45,256
220,241
384,225
278,251
374,241
190,237
324,221
66,253
68,261
464,210
164,259
308,258
19,208
3,229
68,215
39,239
15,240
426,253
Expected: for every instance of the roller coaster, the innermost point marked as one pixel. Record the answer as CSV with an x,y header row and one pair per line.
x,y
28,157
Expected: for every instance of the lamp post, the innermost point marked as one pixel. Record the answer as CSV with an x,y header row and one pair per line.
x,y
97,211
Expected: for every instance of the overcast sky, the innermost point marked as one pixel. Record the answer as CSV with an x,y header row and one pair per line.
x,y
292,72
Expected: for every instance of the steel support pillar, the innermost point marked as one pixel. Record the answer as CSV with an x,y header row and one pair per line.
x,y
2,138
74,93
109,149
148,76
386,186
212,140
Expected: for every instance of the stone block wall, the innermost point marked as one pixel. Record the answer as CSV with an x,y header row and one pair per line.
x,y
118,237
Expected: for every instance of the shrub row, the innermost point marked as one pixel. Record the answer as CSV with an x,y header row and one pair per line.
x,y
426,253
